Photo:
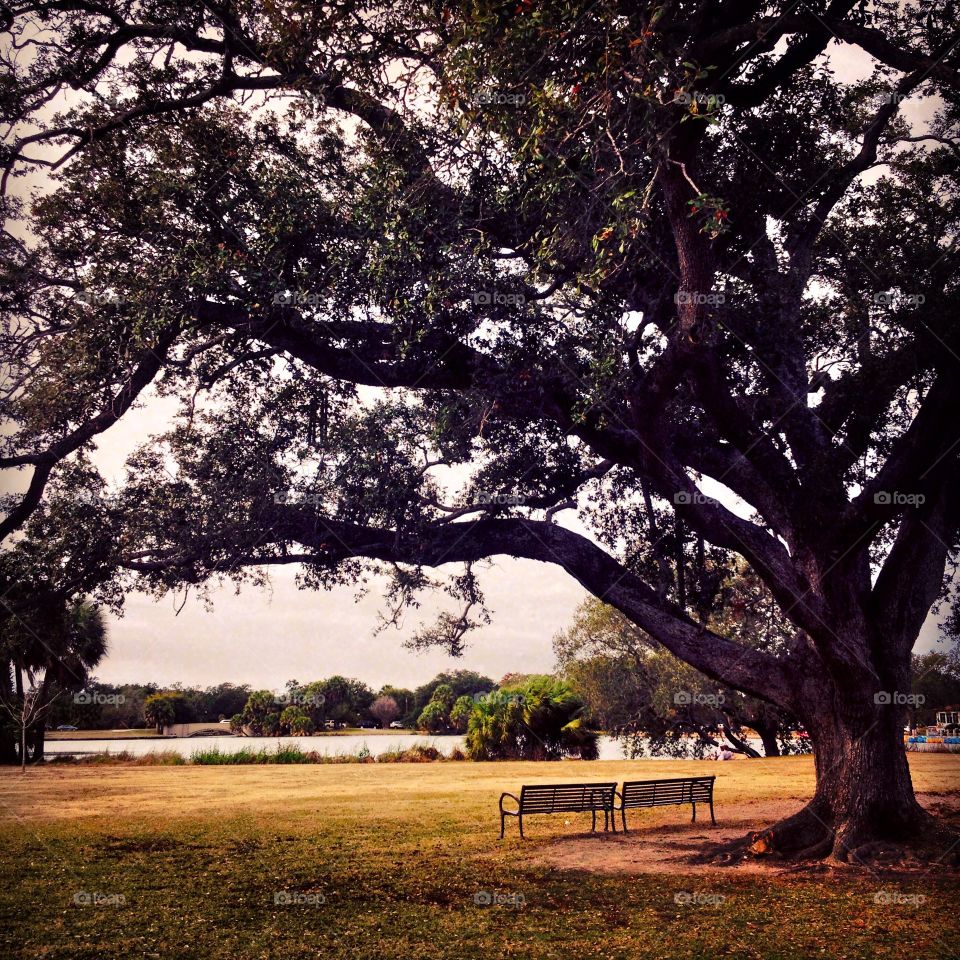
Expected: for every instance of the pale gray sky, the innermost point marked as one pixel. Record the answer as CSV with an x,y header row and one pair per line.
x,y
265,638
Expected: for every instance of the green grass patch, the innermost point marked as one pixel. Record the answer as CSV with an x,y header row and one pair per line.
x,y
246,755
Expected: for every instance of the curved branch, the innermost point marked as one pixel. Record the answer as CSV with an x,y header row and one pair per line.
x,y
756,672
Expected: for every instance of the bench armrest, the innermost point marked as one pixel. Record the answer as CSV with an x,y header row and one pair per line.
x,y
616,793
512,797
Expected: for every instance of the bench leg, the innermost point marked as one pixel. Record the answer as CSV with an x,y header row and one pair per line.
x,y
593,826
694,818
713,819
520,818
623,815
503,818
613,819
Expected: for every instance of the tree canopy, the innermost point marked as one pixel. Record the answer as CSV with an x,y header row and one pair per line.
x,y
426,279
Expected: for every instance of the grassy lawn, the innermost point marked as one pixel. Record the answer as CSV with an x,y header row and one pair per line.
x,y
386,862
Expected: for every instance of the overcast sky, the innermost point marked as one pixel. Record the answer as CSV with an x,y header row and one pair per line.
x,y
266,637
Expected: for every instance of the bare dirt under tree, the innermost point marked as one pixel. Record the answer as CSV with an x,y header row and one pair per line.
x,y
665,841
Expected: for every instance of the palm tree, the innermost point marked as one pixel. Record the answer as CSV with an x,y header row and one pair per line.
x,y
159,710
49,646
72,658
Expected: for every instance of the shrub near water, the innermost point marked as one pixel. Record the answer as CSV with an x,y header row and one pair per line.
x,y
415,754
293,754
159,758
214,756
218,757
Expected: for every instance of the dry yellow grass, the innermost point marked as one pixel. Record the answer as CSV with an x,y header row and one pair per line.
x,y
62,792
395,855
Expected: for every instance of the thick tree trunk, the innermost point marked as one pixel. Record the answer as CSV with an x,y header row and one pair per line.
x,y
768,737
38,740
862,771
8,747
864,793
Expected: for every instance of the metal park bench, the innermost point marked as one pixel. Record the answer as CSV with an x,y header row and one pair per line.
x,y
661,793
561,798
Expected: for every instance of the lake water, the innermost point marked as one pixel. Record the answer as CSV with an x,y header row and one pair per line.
x,y
610,749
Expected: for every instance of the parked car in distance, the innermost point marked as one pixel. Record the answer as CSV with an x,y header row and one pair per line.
x,y
396,725
369,724
66,726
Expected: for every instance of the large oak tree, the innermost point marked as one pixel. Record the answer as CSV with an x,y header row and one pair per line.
x,y
602,257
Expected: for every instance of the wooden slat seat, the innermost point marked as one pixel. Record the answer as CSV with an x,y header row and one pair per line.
x,y
561,798
661,793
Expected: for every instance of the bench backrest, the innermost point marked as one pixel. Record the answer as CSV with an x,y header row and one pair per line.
x,y
566,797
657,793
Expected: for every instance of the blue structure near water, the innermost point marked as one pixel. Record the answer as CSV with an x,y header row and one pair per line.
x,y
933,744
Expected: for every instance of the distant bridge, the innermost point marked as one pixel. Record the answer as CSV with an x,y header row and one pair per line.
x,y
197,729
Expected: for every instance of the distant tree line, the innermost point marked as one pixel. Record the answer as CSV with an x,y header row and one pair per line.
x,y
108,706
96,705
438,706
655,704
936,679
629,689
